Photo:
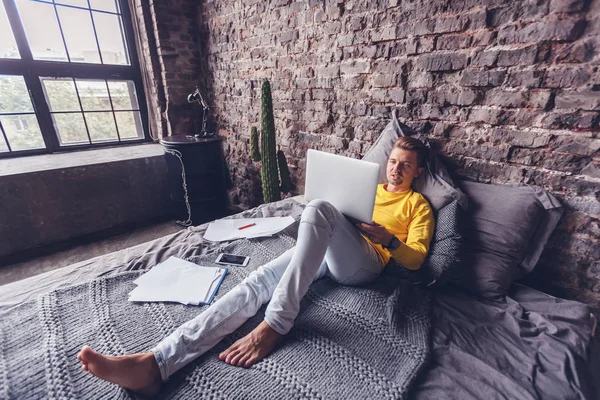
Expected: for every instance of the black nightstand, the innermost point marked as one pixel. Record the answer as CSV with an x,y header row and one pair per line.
x,y
204,166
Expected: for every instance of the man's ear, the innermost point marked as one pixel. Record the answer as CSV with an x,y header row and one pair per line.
x,y
419,171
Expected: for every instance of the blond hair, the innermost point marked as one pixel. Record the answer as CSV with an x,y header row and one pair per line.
x,y
413,144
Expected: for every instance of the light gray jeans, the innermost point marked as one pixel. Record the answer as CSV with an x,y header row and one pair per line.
x,y
328,244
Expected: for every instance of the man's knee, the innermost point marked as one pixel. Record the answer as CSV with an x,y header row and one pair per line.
x,y
261,278
321,207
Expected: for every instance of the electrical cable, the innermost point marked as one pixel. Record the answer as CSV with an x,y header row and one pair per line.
x,y
188,221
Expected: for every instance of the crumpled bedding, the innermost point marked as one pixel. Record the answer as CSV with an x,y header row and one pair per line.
x,y
533,346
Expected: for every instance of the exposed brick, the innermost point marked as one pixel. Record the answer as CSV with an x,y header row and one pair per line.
x,y
384,80
577,52
396,95
416,97
379,95
508,89
321,94
572,121
519,56
527,79
586,100
352,81
455,23
443,61
453,42
442,129
328,71
484,38
519,138
539,98
383,34
592,170
542,158
503,98
492,116
471,77
486,58
566,77
557,30
484,151
444,95
574,144
355,67
561,6
501,16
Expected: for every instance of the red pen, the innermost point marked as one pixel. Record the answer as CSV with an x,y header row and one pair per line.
x,y
246,226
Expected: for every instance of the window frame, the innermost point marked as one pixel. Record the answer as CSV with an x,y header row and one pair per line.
x,y
32,70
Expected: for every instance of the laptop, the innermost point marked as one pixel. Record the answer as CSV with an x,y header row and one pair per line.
x,y
349,184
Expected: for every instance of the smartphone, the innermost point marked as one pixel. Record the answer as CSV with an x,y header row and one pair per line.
x,y
232,259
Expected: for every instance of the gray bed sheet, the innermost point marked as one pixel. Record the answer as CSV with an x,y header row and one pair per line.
x,y
534,346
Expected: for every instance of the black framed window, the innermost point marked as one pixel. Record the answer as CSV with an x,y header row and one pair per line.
x,y
69,76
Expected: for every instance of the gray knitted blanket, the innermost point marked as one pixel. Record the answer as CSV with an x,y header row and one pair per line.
x,y
347,343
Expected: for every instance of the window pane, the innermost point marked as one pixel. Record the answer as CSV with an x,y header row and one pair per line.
x,y
41,28
110,38
3,146
8,45
130,124
14,96
93,95
101,126
60,94
105,5
78,3
22,132
123,95
79,34
70,128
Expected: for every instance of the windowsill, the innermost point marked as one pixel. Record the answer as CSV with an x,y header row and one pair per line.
x,y
47,162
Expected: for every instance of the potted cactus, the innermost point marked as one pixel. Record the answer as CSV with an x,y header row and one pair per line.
x,y
273,162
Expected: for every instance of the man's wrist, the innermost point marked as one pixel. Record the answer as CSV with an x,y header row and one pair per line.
x,y
393,244
389,242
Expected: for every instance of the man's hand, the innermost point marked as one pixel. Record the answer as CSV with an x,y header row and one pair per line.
x,y
376,233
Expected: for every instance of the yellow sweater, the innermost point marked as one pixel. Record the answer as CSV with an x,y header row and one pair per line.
x,y
408,216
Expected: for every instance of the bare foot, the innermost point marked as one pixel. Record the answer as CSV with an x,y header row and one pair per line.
x,y
137,372
253,347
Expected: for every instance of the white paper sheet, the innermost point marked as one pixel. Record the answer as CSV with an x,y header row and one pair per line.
x,y
228,229
177,280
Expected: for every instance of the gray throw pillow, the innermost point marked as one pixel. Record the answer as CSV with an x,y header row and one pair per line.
x,y
501,223
443,256
434,183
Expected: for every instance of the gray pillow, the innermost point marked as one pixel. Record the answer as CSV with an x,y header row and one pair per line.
x,y
443,256
501,223
434,183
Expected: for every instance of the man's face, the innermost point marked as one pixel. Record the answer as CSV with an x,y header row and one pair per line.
x,y
402,168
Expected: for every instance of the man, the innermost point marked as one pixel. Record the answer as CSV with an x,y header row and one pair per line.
x,y
328,245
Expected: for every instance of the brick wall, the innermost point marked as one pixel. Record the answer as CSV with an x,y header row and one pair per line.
x,y
170,58
508,89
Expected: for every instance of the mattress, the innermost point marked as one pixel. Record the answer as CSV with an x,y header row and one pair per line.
x,y
532,346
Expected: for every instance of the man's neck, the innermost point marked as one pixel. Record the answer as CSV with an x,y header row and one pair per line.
x,y
395,189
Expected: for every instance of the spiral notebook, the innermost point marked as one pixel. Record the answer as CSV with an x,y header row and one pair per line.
x,y
179,281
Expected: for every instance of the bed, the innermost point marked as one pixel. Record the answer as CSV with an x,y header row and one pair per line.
x,y
533,346
458,328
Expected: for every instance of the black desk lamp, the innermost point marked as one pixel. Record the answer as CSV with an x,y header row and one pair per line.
x,y
196,97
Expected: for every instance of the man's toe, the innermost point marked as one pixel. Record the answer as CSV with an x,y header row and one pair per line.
x,y
235,360
242,361
230,357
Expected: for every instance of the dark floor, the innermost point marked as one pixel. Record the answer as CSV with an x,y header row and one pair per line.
x,y
15,272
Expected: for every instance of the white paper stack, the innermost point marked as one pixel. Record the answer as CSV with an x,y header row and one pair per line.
x,y
177,280
229,229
